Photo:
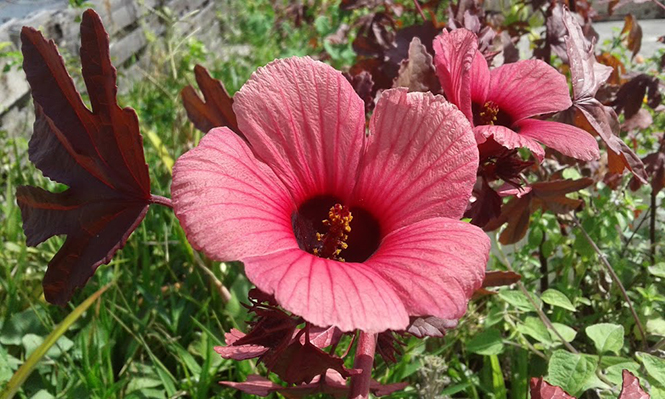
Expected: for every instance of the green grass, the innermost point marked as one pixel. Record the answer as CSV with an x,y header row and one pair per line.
x,y
152,332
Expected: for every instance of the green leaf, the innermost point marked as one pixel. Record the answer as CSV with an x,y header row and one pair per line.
x,y
658,269
572,372
516,299
557,298
567,333
24,371
488,342
656,326
655,366
606,337
535,328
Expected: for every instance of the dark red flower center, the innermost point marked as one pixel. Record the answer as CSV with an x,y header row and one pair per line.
x,y
490,114
324,227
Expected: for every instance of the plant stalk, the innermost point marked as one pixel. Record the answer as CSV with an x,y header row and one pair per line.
x,y
615,278
158,199
364,361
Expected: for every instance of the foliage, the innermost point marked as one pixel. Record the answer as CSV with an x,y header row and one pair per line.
x,y
570,319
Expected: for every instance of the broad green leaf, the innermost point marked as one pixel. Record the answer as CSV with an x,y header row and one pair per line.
x,y
571,371
557,298
516,299
24,371
606,337
488,342
535,328
656,326
655,367
567,333
658,269
614,373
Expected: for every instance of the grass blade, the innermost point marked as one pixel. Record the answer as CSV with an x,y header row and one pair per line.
x,y
26,368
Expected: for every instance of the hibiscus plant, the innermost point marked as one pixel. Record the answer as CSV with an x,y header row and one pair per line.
x,y
358,203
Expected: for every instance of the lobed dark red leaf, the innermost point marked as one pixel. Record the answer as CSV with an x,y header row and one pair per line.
x,y
98,154
215,109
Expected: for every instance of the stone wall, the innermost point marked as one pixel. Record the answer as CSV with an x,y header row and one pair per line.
x,y
129,23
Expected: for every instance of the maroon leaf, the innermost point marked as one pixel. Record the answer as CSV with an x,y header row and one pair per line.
x,y
631,388
334,384
363,85
587,74
541,389
98,154
322,337
300,363
631,95
655,166
215,109
430,326
587,112
487,205
417,71
516,214
641,120
500,278
633,32
389,346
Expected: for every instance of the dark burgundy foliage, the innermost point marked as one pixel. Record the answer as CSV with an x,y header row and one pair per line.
x,y
541,389
430,326
632,33
98,154
363,85
587,112
630,96
548,196
215,109
294,354
333,384
416,72
655,167
500,278
389,346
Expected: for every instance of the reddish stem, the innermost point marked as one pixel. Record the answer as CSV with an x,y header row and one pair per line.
x,y
158,199
364,361
420,10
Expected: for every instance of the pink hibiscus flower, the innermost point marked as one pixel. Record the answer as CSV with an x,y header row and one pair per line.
x,y
501,103
345,229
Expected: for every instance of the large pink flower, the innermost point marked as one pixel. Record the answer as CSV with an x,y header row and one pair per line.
x,y
400,189
501,103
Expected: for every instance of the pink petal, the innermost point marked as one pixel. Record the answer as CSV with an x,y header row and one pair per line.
x,y
480,79
568,140
305,121
328,293
229,204
527,88
510,139
434,265
255,385
420,162
232,336
454,55
241,352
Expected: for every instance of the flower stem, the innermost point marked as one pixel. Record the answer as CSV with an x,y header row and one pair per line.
x,y
615,278
364,361
158,199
